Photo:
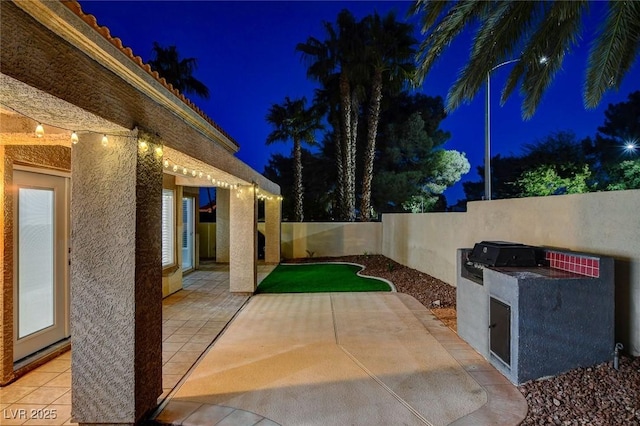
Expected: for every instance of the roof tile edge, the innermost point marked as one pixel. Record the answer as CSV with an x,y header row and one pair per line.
x,y
91,20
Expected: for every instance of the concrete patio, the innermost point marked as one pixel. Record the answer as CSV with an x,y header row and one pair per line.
x,y
337,359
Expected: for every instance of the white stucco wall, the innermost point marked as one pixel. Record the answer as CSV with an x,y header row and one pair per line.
x,y
605,223
330,239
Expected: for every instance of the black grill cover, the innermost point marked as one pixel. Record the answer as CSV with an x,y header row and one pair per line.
x,y
503,253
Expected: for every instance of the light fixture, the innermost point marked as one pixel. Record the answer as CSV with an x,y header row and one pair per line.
x,y
159,151
143,146
194,173
184,170
74,138
200,175
166,163
105,140
39,130
630,146
175,167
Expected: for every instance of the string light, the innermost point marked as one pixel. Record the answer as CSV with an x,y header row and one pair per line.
x,y
144,146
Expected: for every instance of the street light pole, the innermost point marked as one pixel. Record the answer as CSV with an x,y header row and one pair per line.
x,y
487,131
487,140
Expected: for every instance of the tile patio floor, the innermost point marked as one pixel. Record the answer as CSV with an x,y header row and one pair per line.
x,y
191,320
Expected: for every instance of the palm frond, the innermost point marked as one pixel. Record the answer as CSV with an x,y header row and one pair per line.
x,y
430,11
457,18
496,40
195,86
544,54
614,52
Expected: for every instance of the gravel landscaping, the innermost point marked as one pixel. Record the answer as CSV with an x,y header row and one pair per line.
x,y
597,395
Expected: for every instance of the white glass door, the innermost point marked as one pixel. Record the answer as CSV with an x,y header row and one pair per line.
x,y
188,226
40,261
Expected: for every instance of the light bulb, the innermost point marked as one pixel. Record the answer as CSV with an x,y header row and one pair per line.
x,y
193,173
166,163
208,177
175,168
143,146
74,138
159,152
184,170
105,140
39,130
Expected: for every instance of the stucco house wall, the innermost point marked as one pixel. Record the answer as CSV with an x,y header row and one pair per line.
x,y
97,86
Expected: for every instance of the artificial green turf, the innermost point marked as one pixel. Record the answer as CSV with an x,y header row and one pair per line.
x,y
318,278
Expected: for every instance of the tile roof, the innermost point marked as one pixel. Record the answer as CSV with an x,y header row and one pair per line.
x,y
75,7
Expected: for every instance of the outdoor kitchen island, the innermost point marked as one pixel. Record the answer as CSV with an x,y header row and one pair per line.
x,y
535,318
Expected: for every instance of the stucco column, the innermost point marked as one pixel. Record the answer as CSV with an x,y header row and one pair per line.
x,y
243,244
222,225
116,277
272,219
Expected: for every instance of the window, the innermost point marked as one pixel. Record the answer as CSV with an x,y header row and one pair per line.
x,y
187,233
168,228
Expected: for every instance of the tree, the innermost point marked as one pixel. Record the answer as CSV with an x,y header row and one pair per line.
x,y
545,180
338,60
560,151
177,71
404,163
293,121
608,149
413,170
505,171
318,196
389,56
448,166
625,175
539,34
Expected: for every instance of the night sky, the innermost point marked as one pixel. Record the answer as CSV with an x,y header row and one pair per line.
x,y
246,56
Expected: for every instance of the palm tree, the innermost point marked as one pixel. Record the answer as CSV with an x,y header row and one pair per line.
x,y
177,71
389,55
292,120
339,59
539,34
